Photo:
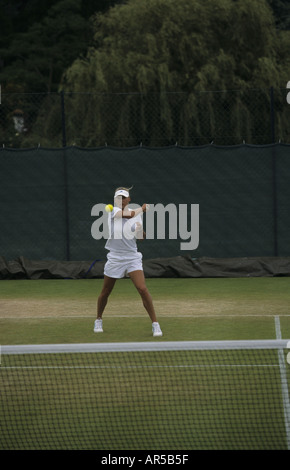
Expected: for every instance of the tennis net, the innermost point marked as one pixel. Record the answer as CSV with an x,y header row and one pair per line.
x,y
165,395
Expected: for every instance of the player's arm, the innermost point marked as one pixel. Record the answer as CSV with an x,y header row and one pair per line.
x,y
126,214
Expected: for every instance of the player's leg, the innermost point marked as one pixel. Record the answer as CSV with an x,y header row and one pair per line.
x,y
139,282
107,288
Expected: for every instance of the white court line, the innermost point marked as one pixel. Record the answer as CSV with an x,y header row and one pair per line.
x,y
178,366
284,383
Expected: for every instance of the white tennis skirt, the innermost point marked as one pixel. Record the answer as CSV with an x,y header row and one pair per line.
x,y
118,265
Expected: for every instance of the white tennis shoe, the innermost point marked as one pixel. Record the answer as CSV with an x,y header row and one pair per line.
x,y
98,327
156,329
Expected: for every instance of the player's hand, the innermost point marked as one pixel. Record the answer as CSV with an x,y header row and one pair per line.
x,y
145,207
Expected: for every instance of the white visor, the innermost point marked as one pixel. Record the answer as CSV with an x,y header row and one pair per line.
x,y
121,192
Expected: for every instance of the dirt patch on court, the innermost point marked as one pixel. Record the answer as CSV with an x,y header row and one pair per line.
x,y
74,308
45,308
119,308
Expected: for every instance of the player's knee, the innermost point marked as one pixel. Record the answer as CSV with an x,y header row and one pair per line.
x,y
106,292
143,291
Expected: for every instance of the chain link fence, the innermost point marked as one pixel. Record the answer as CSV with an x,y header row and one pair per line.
x,y
89,120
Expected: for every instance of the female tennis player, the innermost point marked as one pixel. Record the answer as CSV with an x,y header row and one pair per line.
x,y
125,226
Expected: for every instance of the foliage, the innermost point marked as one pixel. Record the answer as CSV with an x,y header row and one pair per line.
x,y
39,40
41,52
152,68
164,46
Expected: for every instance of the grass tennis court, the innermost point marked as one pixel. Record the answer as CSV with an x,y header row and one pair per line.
x,y
56,311
141,401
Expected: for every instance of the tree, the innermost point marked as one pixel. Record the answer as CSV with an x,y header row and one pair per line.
x,y
39,40
153,67
186,48
281,10
38,56
164,45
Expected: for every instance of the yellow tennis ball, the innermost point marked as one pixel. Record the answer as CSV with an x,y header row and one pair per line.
x,y
109,208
